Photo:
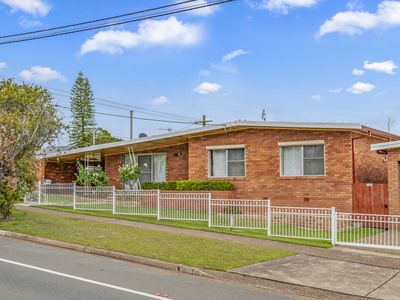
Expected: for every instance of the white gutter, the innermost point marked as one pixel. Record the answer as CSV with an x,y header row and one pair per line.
x,y
386,146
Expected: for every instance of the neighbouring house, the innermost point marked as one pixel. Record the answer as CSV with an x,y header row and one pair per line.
x,y
296,164
390,152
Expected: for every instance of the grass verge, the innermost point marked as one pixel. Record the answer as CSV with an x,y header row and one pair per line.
x,y
261,234
171,247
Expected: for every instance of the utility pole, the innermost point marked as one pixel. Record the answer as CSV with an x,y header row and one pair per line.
x,y
131,129
203,121
389,123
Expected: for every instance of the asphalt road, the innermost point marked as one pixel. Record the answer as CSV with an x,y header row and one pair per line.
x,y
32,271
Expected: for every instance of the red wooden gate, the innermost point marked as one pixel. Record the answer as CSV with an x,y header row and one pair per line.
x,y
370,198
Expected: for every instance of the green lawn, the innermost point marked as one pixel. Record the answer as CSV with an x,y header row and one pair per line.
x,y
177,248
198,225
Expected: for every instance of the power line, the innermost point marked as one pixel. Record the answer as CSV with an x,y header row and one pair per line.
x,y
137,118
118,105
96,20
123,106
146,17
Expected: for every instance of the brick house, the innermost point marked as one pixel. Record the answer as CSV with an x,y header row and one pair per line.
x,y
296,164
390,152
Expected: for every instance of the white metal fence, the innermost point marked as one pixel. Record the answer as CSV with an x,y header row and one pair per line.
x,y
230,213
60,194
300,222
379,231
94,198
184,206
352,229
136,202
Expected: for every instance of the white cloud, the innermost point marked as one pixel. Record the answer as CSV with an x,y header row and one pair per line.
x,y
354,5
33,7
41,74
159,101
336,91
167,32
283,6
203,12
27,23
360,88
207,87
355,22
387,67
233,54
2,65
316,97
358,72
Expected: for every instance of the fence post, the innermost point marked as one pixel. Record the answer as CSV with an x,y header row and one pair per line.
x,y
333,226
269,218
39,192
158,205
113,199
74,196
209,210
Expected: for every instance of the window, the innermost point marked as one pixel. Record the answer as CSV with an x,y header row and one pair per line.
x,y
153,166
226,162
302,160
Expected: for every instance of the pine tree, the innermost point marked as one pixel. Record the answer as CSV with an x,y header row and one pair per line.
x,y
82,108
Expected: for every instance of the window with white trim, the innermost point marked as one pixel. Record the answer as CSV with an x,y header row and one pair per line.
x,y
306,160
153,166
226,162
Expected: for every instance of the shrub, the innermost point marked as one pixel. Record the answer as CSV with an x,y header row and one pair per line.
x,y
129,174
90,177
8,197
190,185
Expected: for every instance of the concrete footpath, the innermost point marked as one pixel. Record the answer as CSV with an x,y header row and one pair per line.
x,y
359,272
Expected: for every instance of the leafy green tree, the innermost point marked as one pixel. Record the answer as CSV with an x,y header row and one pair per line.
x,y
82,109
103,136
28,120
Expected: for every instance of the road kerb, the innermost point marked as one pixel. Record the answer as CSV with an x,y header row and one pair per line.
x,y
112,254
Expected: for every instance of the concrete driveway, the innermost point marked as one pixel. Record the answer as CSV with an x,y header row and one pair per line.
x,y
329,274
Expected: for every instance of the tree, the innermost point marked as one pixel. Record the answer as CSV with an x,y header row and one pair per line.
x,y
82,109
103,136
28,120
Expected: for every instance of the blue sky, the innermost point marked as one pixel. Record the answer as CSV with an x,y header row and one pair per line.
x,y
301,60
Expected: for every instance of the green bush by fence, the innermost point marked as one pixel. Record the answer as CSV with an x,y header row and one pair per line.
x,y
190,185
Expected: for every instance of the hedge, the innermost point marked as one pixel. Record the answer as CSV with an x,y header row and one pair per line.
x,y
190,185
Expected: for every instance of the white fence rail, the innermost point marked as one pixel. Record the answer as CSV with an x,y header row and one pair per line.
x,y
136,202
94,198
60,194
184,206
368,230
300,222
252,214
351,229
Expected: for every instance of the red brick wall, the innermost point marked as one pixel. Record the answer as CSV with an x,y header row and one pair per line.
x,y
263,167
369,165
176,169
393,159
60,172
111,165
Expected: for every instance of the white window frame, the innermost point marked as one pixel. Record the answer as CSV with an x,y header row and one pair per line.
x,y
152,162
301,144
226,148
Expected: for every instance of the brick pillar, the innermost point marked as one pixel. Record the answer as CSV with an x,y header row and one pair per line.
x,y
394,181
111,165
